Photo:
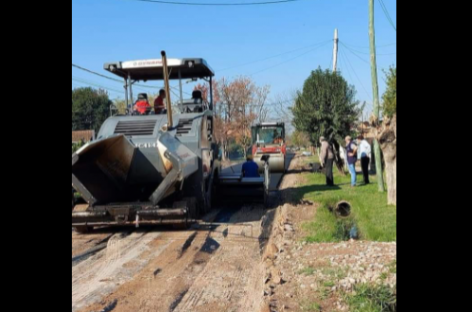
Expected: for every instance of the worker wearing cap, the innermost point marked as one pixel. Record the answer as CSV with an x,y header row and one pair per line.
x,y
250,168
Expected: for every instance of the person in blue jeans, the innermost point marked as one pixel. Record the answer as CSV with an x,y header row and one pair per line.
x,y
351,149
250,168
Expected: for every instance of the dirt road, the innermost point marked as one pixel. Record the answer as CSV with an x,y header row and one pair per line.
x,y
214,266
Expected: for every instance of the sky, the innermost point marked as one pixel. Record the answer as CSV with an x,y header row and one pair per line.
x,y
282,42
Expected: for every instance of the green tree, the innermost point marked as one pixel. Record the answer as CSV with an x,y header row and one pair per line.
x,y
389,98
120,105
300,139
325,107
90,108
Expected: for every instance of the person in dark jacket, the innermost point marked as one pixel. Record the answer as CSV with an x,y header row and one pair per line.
x,y
326,160
250,168
351,150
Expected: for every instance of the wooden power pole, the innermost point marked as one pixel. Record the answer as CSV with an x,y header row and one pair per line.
x,y
375,89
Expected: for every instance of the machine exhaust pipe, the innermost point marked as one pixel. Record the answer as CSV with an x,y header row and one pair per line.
x,y
166,84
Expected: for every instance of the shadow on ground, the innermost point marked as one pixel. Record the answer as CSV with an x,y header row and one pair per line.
x,y
294,195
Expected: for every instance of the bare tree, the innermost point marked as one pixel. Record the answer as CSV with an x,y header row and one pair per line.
x,y
260,99
237,104
281,111
242,91
300,139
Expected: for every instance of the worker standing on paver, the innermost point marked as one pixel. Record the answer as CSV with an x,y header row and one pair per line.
x,y
250,168
327,159
159,105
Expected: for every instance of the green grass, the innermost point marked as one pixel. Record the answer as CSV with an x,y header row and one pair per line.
x,y
324,292
383,276
312,307
375,220
368,298
337,273
391,269
307,271
328,284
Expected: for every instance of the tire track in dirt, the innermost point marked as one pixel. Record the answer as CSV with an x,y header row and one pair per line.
x,y
81,243
169,275
102,273
233,278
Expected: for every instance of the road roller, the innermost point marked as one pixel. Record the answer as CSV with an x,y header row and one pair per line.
x,y
268,139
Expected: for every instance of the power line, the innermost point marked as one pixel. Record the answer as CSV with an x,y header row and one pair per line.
x,y
279,102
79,84
120,81
110,78
92,83
376,53
83,81
281,63
344,63
95,73
360,81
270,57
376,46
176,95
384,9
350,50
217,4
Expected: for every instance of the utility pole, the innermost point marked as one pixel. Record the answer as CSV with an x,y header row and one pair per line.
x,y
335,50
375,89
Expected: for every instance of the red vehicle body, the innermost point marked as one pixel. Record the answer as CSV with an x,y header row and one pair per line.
x,y
268,138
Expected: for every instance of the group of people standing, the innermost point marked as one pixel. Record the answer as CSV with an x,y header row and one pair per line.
x,y
360,151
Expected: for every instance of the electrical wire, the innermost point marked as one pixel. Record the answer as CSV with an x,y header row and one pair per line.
x,y
217,4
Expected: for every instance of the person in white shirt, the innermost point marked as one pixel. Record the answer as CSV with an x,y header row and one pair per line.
x,y
363,153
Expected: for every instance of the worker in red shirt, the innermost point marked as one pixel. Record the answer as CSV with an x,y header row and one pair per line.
x,y
142,105
159,106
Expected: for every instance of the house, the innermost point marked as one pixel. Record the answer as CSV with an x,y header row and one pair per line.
x,y
83,135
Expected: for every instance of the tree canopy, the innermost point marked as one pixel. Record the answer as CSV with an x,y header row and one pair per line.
x,y
325,107
90,108
389,98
